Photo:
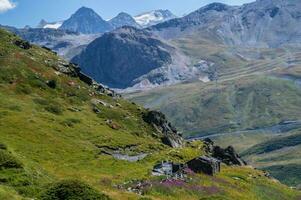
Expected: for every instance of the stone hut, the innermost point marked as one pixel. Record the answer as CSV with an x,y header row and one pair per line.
x,y
204,164
168,169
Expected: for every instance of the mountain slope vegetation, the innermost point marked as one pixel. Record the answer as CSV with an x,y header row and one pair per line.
x,y
56,129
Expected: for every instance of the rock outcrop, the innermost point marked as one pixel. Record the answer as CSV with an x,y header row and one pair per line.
x,y
228,156
170,135
23,44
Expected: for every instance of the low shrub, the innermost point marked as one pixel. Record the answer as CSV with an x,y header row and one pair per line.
x,y
52,84
54,109
71,122
71,190
7,160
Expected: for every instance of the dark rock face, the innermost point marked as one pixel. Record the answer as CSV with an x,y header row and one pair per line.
x,y
204,164
123,19
86,21
170,134
23,44
118,58
228,156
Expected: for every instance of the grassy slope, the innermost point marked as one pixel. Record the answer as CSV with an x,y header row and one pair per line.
x,y
53,142
234,105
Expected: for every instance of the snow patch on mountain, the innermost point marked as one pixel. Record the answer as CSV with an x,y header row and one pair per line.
x,y
54,25
153,17
51,25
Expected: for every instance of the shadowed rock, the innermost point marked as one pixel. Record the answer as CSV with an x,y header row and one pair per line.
x,y
170,135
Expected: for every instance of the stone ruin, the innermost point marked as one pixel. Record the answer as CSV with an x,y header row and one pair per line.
x,y
204,164
169,169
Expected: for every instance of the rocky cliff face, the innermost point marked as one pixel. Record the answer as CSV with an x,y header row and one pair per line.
x,y
128,57
86,21
269,23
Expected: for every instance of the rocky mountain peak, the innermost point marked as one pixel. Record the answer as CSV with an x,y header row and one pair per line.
x,y
42,23
218,7
123,19
86,20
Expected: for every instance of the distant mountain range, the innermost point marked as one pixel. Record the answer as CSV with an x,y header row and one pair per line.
x,y
265,23
87,21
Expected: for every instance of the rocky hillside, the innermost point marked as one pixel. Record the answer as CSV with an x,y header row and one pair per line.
x,y
65,136
87,21
129,57
267,23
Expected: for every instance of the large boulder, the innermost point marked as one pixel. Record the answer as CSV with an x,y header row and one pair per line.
x,y
158,120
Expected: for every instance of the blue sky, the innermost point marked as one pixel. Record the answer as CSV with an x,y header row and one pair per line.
x,y
29,12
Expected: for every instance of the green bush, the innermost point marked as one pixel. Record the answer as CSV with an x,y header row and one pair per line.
x,y
52,84
72,190
54,109
7,160
3,146
71,122
23,89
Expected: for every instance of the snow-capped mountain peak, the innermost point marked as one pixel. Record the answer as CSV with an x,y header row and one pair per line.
x,y
153,17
